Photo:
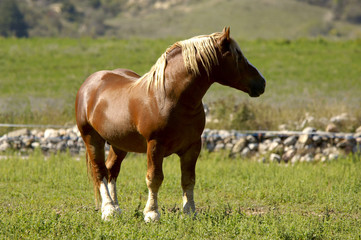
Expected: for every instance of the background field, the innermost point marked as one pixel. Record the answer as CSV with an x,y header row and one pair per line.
x,y
251,19
39,78
52,198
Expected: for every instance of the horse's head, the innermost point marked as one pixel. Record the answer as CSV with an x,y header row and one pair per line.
x,y
235,70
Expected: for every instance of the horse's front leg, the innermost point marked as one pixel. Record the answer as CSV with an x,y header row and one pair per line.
x,y
188,164
154,178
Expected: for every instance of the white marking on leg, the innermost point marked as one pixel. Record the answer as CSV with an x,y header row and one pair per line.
x,y
188,202
112,186
151,212
108,208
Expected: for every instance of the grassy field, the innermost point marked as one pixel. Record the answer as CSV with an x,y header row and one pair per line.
x,y
51,198
39,78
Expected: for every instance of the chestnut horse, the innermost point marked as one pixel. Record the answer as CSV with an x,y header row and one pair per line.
x,y
160,113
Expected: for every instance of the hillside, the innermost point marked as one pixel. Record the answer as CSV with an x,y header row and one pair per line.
x,y
249,19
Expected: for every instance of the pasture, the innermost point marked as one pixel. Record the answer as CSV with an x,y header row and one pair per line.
x,y
51,197
39,78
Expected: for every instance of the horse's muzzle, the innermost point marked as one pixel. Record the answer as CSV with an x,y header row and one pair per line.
x,y
257,88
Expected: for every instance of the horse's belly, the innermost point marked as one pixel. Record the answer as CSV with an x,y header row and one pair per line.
x,y
128,142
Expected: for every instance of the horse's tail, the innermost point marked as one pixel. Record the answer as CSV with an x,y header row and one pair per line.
x,y
97,197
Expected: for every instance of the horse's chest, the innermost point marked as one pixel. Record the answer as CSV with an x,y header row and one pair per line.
x,y
181,133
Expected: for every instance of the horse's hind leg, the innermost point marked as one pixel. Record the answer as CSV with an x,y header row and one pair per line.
x,y
113,163
95,159
188,164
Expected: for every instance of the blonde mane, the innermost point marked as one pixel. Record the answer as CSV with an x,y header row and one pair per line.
x,y
200,47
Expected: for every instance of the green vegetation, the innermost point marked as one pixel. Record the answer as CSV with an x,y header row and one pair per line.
x,y
11,20
52,198
184,18
39,79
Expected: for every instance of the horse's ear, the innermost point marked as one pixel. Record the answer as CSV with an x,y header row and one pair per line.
x,y
225,39
227,32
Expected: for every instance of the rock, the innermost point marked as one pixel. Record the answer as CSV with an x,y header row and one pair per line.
x,y
347,144
318,157
228,146
253,146
50,133
340,119
291,140
307,158
358,130
263,146
239,146
309,130
28,141
218,147
61,146
4,146
275,157
251,139
332,156
35,145
295,159
274,146
246,152
287,156
317,139
18,133
61,132
54,139
331,127
304,139
329,151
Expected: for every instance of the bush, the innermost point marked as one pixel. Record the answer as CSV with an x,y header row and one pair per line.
x,y
12,20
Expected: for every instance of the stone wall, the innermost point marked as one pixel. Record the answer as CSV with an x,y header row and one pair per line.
x,y
282,146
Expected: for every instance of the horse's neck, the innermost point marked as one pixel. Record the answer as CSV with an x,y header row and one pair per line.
x,y
184,86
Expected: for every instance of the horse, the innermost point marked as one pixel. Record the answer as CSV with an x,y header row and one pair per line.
x,y
160,113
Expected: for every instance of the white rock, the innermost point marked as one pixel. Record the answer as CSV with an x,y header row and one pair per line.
x,y
251,139
50,133
18,133
304,139
291,140
295,159
331,127
238,147
35,145
309,130
275,157
287,156
245,152
253,146
273,146
4,146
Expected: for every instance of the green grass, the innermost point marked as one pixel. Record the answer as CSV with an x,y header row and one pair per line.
x,y
236,199
39,78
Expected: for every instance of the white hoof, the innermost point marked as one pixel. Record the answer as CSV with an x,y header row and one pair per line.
x,y
109,211
151,216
